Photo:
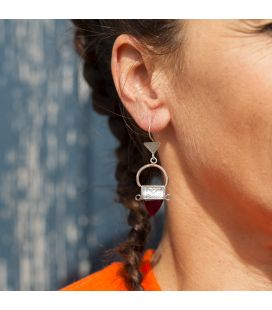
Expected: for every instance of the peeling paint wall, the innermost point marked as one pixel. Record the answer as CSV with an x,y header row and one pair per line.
x,y
57,184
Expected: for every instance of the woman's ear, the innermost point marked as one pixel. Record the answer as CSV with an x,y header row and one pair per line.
x,y
139,85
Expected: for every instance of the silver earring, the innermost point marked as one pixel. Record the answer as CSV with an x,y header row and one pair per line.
x,y
152,195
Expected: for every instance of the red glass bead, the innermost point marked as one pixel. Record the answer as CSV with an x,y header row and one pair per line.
x,y
153,206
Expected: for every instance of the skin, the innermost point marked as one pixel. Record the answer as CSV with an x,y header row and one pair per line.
x,y
214,123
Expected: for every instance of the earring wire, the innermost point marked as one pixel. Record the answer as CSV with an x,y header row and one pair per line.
x,y
150,133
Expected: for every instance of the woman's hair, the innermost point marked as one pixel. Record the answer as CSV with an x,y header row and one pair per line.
x,y
93,41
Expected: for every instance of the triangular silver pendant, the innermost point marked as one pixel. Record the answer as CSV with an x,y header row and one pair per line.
x,y
152,146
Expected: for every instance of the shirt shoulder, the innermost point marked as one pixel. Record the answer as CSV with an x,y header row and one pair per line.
x,y
106,279
109,278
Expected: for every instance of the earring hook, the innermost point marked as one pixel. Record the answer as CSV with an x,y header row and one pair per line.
x,y
150,133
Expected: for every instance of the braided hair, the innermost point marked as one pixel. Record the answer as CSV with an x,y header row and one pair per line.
x,y
93,41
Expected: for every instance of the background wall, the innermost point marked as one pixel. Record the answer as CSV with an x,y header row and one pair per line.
x,y
57,186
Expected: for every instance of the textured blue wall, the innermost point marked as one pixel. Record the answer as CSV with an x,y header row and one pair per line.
x,y
57,165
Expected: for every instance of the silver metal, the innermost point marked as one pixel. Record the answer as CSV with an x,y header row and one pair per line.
x,y
151,165
150,133
152,192
152,146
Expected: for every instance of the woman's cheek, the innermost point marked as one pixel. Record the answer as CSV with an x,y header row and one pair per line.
x,y
231,109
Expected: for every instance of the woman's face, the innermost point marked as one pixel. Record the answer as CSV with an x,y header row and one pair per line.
x,y
221,110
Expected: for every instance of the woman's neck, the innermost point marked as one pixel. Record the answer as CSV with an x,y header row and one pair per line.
x,y
212,247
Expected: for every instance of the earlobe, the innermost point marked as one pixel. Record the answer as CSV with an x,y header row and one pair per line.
x,y
133,77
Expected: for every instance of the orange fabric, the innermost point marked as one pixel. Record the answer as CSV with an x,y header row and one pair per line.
x,y
108,278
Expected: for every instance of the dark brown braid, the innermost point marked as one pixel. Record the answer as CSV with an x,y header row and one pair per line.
x,y
93,41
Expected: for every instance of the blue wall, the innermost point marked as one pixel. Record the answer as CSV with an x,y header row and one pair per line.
x,y
57,164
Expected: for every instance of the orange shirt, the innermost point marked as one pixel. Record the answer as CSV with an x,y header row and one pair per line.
x,y
108,278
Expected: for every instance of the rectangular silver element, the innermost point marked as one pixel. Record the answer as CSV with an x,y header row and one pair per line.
x,y
152,192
